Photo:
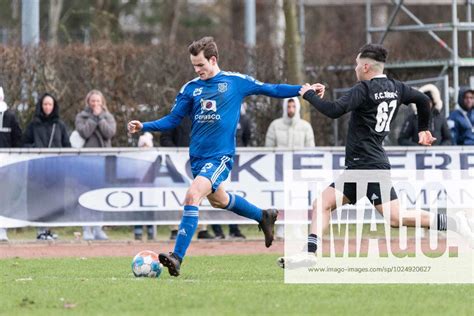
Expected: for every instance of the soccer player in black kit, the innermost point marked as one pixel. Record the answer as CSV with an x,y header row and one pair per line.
x,y
373,103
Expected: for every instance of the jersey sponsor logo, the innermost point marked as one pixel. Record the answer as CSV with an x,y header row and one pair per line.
x,y
197,91
222,87
203,118
208,105
208,112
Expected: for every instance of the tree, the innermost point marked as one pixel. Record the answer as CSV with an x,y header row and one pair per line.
x,y
175,20
294,54
55,7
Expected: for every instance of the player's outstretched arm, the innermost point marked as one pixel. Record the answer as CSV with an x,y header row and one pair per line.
x,y
317,87
168,122
278,90
305,88
331,109
134,126
165,123
320,89
249,86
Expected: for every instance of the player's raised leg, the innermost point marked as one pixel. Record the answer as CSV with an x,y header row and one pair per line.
x,y
440,221
237,204
199,188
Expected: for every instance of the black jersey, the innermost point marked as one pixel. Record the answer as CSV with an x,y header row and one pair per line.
x,y
373,105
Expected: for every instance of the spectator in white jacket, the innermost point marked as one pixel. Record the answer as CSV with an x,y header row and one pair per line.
x,y
290,131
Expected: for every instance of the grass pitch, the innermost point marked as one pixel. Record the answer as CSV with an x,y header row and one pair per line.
x,y
219,285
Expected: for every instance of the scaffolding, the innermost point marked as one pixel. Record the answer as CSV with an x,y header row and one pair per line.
x,y
454,62
455,26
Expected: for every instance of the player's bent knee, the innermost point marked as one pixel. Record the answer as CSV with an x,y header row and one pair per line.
x,y
192,197
318,212
217,204
325,207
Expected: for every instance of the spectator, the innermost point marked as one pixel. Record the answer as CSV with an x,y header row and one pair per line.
x,y
144,141
179,137
438,125
10,136
289,131
461,120
243,136
97,126
244,132
10,131
46,130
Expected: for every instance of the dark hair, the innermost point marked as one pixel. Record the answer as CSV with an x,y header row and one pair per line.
x,y
205,45
374,51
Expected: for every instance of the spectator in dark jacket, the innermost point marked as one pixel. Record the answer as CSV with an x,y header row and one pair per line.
x,y
10,136
244,132
438,125
46,130
461,120
177,137
10,131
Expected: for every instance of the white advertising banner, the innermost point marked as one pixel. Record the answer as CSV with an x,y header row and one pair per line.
x,y
126,186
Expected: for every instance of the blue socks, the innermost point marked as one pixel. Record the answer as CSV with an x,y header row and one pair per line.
x,y
242,207
189,222
186,230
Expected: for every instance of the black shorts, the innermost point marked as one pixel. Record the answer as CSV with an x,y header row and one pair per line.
x,y
372,190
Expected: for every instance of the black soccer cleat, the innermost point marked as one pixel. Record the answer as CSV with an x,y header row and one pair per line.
x,y
171,261
267,225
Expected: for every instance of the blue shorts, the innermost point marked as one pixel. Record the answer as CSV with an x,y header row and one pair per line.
x,y
216,169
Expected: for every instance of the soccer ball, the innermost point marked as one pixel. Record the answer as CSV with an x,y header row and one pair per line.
x,y
146,264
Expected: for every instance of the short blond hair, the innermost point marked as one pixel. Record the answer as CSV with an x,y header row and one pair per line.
x,y
97,92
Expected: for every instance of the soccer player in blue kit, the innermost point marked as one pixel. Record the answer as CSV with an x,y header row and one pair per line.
x,y
212,101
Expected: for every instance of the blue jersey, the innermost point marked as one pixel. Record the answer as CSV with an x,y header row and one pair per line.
x,y
214,108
